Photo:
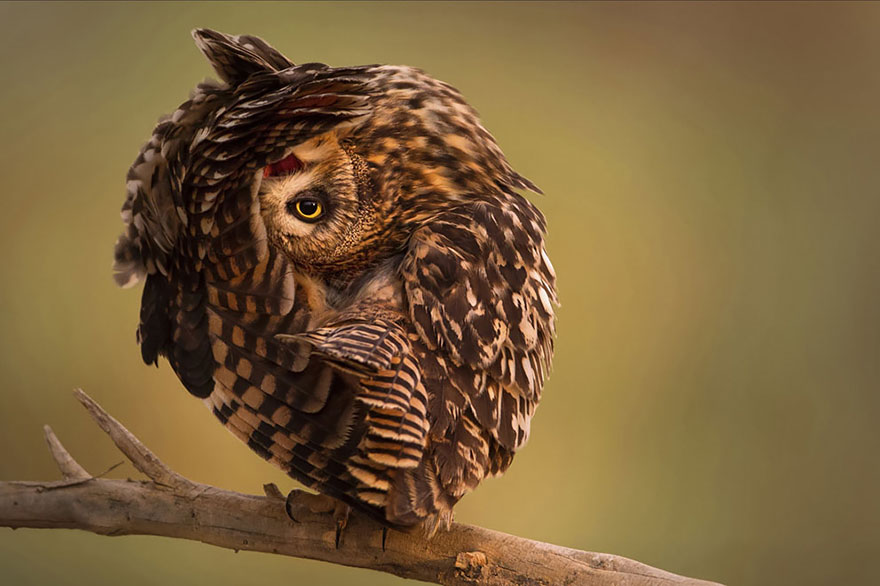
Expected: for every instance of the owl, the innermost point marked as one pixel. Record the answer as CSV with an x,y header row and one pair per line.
x,y
338,262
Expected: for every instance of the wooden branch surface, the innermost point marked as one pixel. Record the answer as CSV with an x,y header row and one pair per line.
x,y
173,506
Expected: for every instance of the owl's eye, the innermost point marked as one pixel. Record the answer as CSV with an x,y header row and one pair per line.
x,y
286,166
307,209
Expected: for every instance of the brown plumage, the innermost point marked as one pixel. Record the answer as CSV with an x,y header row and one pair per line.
x,y
338,262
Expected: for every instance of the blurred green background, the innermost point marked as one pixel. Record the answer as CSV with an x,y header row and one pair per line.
x,y
712,176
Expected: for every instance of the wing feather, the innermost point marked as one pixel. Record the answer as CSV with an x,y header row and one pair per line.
x,y
481,294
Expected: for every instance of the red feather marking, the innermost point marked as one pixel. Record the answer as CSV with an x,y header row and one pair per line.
x,y
286,166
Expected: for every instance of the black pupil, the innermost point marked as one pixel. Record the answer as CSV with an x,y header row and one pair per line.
x,y
308,207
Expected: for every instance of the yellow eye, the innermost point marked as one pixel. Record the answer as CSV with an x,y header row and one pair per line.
x,y
309,209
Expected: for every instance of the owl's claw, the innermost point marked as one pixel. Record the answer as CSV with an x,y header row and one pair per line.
x,y
384,536
306,503
288,504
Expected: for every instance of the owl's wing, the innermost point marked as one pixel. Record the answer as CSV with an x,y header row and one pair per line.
x,y
395,404
481,295
379,353
363,346
217,293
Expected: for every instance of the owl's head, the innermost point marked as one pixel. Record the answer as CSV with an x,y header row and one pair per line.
x,y
348,162
319,205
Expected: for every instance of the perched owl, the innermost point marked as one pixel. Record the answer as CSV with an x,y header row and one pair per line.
x,y
337,261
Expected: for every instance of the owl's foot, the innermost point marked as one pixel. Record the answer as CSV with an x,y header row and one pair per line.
x,y
291,504
300,503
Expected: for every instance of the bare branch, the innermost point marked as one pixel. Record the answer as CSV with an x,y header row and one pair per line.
x,y
272,491
141,456
173,506
70,468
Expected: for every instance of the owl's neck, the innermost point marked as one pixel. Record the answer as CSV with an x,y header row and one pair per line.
x,y
377,284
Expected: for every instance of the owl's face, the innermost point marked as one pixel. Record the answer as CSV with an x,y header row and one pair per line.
x,y
318,205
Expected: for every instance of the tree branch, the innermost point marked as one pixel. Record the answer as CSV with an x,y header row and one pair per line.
x,y
173,506
70,468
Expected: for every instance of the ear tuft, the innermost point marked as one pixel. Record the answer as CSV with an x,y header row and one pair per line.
x,y
237,58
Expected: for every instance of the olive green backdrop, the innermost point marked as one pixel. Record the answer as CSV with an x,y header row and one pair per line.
x,y
712,176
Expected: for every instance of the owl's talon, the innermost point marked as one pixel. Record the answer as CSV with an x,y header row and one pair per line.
x,y
384,536
288,505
